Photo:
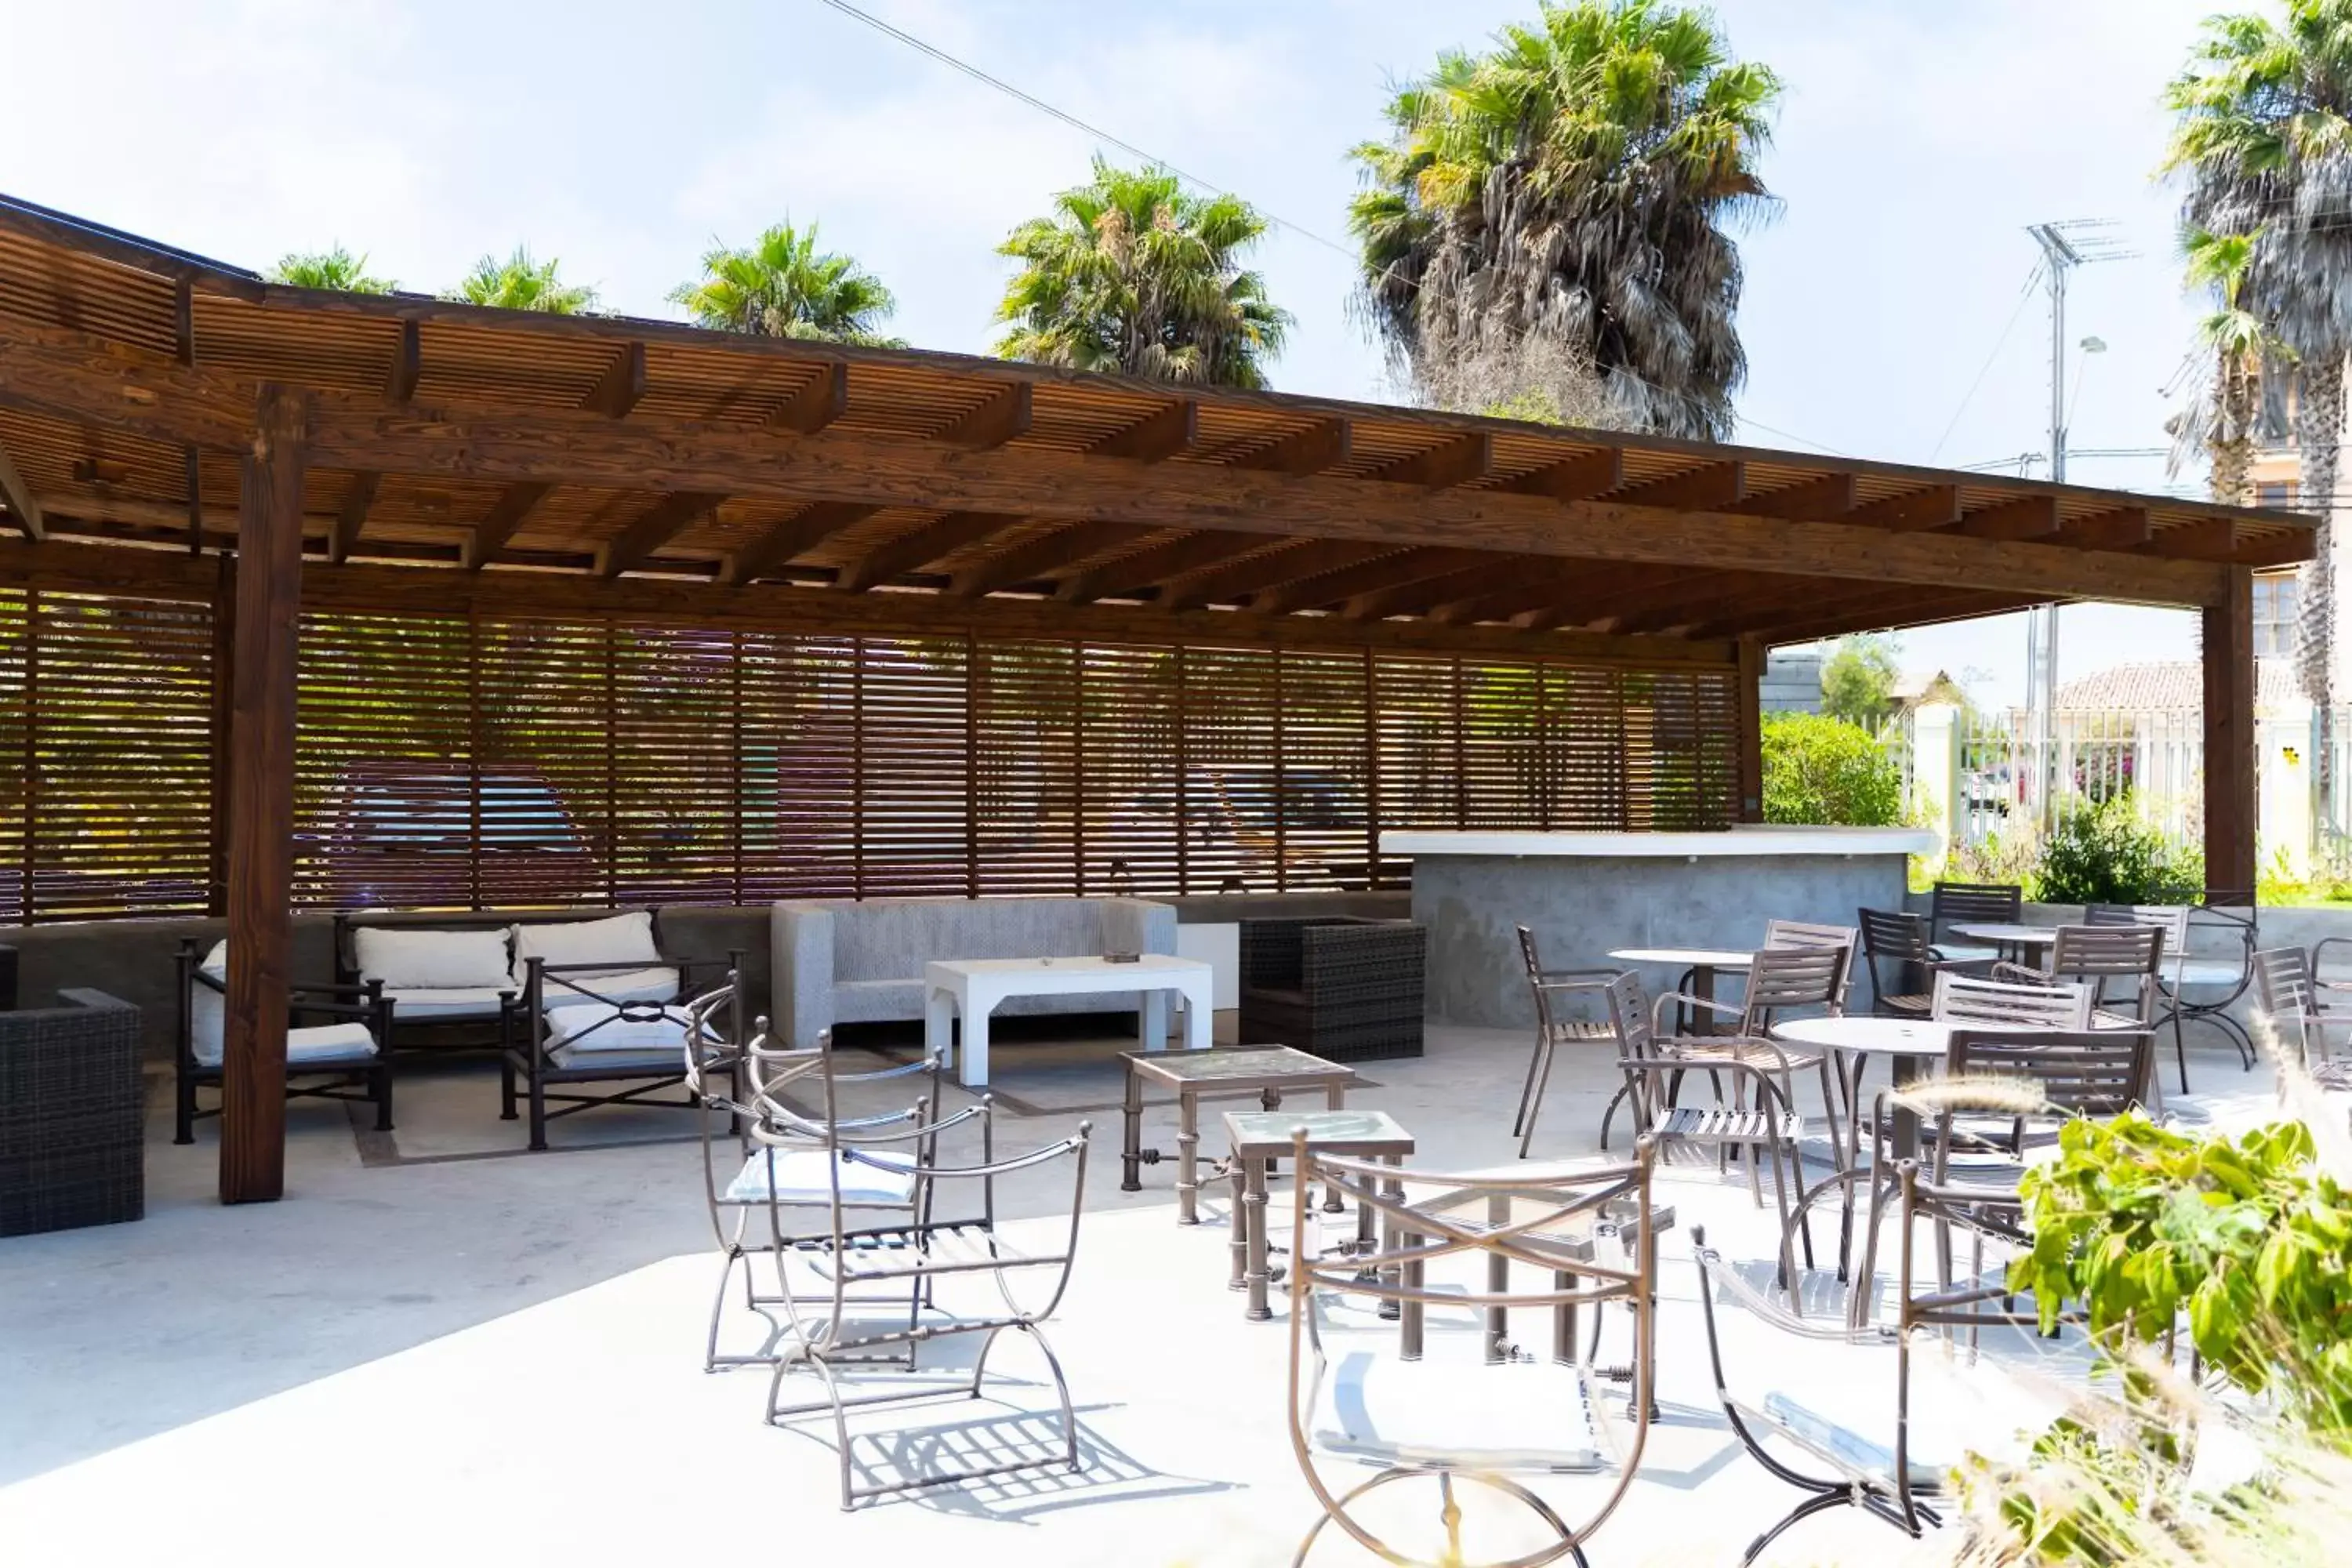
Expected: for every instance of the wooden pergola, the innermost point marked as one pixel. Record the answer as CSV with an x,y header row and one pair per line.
x,y
159,410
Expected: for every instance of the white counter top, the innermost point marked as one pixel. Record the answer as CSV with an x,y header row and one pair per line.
x,y
1733,843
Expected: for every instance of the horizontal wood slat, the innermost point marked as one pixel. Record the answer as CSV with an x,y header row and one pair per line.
x,y
478,760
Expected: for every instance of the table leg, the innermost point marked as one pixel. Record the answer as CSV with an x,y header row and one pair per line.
x,y
1260,1261
1188,1156
1394,1190
1498,1280
1153,1022
1333,1096
938,1025
976,1010
1198,1004
1237,1231
1563,1322
1703,987
1130,1156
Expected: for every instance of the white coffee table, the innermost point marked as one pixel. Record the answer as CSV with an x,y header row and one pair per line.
x,y
972,988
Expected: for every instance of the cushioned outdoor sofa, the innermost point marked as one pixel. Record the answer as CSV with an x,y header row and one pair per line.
x,y
839,961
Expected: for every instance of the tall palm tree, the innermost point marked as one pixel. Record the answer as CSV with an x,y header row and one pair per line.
x,y
782,286
2220,422
1575,181
1131,274
336,268
2263,139
518,283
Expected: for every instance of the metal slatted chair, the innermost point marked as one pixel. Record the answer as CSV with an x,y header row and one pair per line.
x,y
1971,903
1825,1446
1903,962
1781,981
2173,921
1965,999
2298,1011
1591,1236
901,1260
1552,989
1801,934
2097,955
744,1178
2037,1079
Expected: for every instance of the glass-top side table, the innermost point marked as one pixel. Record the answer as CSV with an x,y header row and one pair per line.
x,y
1223,1073
1261,1137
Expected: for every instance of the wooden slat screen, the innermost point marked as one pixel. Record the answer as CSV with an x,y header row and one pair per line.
x,y
458,762
106,721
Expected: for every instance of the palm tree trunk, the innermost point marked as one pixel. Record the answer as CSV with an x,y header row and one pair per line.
x,y
2319,433
2232,447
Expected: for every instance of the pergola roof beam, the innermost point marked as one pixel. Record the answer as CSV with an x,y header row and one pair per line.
x,y
927,543
656,526
23,508
795,535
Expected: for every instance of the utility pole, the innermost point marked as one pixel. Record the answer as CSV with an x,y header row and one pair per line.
x,y
2064,246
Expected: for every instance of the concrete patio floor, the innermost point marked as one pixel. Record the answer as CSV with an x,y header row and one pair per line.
x,y
439,1347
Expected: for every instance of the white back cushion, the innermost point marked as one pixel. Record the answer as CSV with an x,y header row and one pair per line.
x,y
410,960
209,1009
621,943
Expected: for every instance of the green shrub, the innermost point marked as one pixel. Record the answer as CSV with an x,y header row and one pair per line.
x,y
2102,853
2139,1222
1823,770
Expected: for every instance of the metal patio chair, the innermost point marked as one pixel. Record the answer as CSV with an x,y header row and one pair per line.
x,y
1841,1461
1903,962
1804,934
1971,903
339,1046
565,1042
2299,1013
1589,1234
745,1180
1551,989
2097,956
2165,1008
2036,1080
2042,1004
901,1260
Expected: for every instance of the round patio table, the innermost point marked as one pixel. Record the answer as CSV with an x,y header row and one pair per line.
x,y
1701,961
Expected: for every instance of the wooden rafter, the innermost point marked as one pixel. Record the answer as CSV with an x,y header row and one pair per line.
x,y
1246,578
1454,462
925,543
2122,529
1003,418
816,403
1320,445
652,528
22,506
2028,517
621,386
1392,569
795,535
515,504
1580,477
1029,560
1148,568
1937,506
399,388
1718,487
1155,437
1826,498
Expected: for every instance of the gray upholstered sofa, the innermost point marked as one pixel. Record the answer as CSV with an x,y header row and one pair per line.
x,y
838,961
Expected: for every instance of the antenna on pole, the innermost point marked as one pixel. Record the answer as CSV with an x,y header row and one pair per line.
x,y
2066,244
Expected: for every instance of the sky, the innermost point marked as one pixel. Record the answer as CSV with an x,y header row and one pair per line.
x,y
1886,313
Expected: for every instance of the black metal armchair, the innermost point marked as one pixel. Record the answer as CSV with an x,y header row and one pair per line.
x,y
569,1044
341,1054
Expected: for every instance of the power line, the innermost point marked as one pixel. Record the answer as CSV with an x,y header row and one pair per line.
x,y
2023,294
1100,135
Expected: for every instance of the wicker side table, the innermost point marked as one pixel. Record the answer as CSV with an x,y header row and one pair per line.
x,y
1341,989
72,1115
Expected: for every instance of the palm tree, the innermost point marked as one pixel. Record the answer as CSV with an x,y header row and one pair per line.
x,y
1131,274
336,268
782,286
2263,139
2220,423
518,283
1574,182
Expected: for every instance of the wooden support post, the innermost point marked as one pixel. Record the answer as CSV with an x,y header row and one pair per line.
x,y
1750,680
2230,791
261,803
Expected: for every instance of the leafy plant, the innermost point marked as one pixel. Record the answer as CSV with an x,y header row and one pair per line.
x,y
783,286
2139,1223
1822,770
520,283
336,268
2100,852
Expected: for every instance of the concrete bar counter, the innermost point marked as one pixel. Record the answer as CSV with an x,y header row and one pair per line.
x,y
1585,893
